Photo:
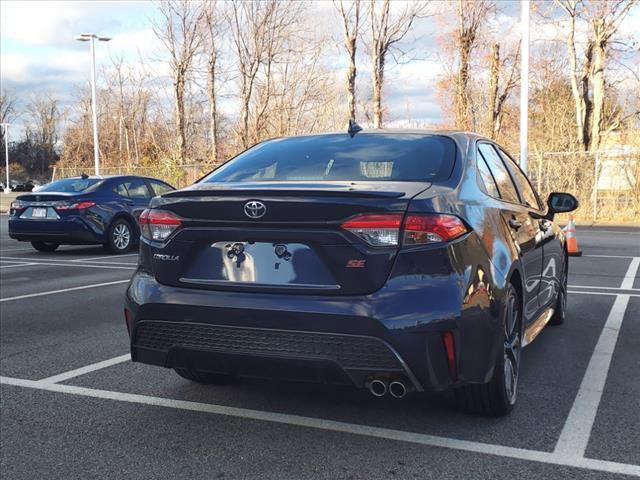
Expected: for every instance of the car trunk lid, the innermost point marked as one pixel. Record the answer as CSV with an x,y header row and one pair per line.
x,y
277,236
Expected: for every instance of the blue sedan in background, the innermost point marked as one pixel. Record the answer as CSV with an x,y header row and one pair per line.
x,y
84,210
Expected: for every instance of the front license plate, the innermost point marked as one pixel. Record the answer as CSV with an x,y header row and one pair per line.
x,y
39,213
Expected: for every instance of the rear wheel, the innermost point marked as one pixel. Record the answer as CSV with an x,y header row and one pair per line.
x,y
498,396
119,236
45,246
203,377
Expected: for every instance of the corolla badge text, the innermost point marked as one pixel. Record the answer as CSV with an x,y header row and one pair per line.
x,y
166,258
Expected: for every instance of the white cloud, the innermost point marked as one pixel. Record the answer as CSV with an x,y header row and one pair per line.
x,y
40,22
15,67
47,23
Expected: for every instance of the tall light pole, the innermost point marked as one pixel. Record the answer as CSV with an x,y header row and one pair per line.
x,y
7,189
92,37
524,85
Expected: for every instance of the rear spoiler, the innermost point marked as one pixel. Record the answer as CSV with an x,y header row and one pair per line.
x,y
281,192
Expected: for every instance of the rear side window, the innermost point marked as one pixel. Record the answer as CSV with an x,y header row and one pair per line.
x,y
487,178
528,193
137,188
340,157
159,188
121,190
500,173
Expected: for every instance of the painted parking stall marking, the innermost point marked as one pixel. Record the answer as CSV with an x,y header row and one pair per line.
x,y
62,290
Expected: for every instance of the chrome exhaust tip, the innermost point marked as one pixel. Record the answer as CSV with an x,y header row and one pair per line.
x,y
397,389
378,388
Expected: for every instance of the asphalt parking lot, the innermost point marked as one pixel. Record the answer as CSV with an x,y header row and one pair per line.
x,y
72,405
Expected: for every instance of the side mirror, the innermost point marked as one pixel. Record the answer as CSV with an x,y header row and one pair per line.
x,y
559,202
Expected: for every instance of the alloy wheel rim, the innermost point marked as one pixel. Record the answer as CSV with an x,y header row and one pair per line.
x,y
121,236
512,347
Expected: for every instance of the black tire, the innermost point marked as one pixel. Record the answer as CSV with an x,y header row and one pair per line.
x,y
560,312
45,246
498,397
203,377
119,236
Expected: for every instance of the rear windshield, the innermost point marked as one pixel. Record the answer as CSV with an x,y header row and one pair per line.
x,y
71,185
340,157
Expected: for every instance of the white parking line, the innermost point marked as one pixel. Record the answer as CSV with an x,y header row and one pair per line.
x,y
622,232
605,288
335,426
609,256
7,250
124,266
575,434
612,294
91,259
630,276
87,369
101,262
62,290
17,265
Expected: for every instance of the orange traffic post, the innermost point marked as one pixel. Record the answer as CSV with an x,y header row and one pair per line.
x,y
572,239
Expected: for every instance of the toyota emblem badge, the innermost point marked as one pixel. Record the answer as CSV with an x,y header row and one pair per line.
x,y
255,209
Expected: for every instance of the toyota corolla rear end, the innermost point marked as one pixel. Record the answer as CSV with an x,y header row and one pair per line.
x,y
319,258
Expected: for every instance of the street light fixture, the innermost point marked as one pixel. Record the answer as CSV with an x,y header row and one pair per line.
x,y
92,37
7,189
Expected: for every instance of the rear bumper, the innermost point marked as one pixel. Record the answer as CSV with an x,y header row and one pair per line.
x,y
72,230
293,354
396,332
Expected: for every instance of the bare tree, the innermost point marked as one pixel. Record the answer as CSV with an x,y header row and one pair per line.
x,y
604,24
387,29
261,33
179,31
42,131
247,21
472,15
7,106
7,111
588,85
503,78
351,28
212,31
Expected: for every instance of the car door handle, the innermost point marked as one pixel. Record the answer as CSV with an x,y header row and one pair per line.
x,y
513,223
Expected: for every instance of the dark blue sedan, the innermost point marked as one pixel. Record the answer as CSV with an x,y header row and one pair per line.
x,y
84,211
388,260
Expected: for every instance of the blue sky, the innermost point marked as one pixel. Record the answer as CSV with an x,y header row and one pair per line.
x,y
38,52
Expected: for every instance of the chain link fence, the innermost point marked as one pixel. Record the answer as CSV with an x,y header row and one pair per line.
x,y
606,183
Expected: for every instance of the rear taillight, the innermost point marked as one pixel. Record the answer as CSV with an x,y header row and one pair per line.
x,y
421,229
158,225
75,206
381,230
377,230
